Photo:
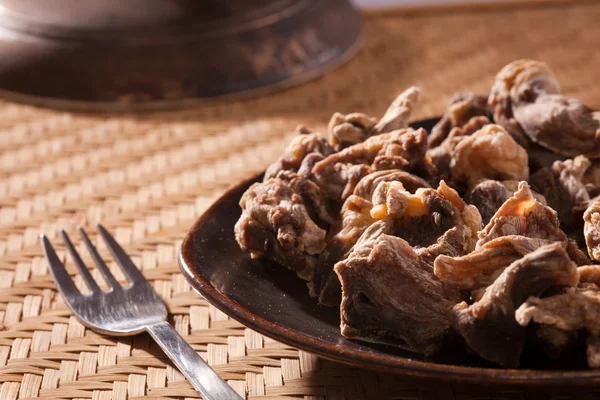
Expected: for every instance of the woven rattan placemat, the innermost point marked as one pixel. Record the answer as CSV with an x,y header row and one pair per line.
x,y
148,177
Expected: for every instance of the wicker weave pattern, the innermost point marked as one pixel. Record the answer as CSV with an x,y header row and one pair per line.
x,y
148,177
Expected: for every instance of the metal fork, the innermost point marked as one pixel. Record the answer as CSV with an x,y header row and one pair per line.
x,y
130,310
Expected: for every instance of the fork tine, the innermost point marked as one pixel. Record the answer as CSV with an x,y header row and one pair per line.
x,y
133,274
64,283
108,276
85,273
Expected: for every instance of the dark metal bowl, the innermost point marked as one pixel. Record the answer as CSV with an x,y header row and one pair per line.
x,y
116,54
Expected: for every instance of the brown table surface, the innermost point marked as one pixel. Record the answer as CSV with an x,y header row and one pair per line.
x,y
148,177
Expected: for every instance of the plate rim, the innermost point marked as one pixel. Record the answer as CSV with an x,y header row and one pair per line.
x,y
382,363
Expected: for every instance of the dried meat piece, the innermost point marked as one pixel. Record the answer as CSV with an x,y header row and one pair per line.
x,y
355,218
398,113
434,222
521,78
576,308
280,221
350,129
461,109
441,156
398,250
489,326
591,229
523,215
526,99
481,267
562,124
574,311
564,189
301,146
353,174
388,290
488,195
489,153
401,149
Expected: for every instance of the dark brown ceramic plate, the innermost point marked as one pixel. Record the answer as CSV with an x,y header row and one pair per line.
x,y
272,301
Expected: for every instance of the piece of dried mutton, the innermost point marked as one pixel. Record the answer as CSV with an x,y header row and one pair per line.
x,y
355,218
283,219
481,267
577,308
304,144
389,269
488,195
488,153
441,156
389,291
564,189
489,326
461,109
350,129
523,215
526,99
574,311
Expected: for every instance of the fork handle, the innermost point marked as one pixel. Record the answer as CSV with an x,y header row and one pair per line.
x,y
196,370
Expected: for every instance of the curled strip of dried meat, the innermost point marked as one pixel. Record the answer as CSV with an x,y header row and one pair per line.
x,y
280,221
521,78
489,326
355,218
388,290
562,124
488,195
347,130
577,308
591,229
398,113
350,129
441,156
489,153
461,109
481,267
301,146
401,149
523,215
564,189
526,98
